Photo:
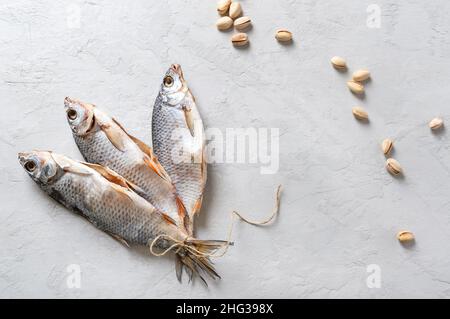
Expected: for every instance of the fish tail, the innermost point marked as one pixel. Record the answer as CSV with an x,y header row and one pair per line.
x,y
194,258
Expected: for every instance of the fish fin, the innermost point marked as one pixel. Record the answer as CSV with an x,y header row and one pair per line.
x,y
188,225
168,219
181,207
144,147
195,270
198,264
120,125
197,205
199,201
157,168
115,178
109,174
183,214
152,160
68,165
76,170
122,192
113,136
119,239
188,266
204,166
178,267
189,119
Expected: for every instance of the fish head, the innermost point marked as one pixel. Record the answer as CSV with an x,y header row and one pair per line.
x,y
40,165
173,87
80,116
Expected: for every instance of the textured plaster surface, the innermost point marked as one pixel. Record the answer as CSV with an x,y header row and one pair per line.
x,y
340,208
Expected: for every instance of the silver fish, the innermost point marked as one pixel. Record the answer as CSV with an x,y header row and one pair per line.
x,y
108,201
102,140
179,140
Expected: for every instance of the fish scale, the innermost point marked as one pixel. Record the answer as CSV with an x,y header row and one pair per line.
x,y
177,125
91,195
185,176
109,202
97,147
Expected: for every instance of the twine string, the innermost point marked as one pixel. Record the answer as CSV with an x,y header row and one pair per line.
x,y
184,244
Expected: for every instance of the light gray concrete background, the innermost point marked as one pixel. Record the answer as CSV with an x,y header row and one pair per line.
x,y
340,209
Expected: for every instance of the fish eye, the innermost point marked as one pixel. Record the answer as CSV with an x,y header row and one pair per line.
x,y
72,114
30,166
168,81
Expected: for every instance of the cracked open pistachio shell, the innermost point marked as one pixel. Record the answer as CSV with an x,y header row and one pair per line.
x,y
361,75
405,236
387,146
436,123
355,87
360,113
393,166
235,10
223,6
224,23
239,39
339,63
283,35
242,23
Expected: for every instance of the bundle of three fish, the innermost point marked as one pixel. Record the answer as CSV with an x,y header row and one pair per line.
x,y
136,194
